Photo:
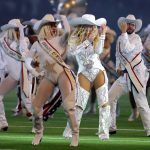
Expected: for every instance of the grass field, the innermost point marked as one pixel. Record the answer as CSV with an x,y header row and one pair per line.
x,y
130,135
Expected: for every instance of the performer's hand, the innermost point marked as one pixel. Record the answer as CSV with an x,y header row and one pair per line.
x,y
120,72
92,35
21,30
104,29
123,27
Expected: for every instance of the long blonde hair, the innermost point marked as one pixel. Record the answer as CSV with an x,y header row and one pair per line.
x,y
80,34
11,35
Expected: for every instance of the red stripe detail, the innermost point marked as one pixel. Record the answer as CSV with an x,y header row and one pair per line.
x,y
11,48
130,65
135,56
52,46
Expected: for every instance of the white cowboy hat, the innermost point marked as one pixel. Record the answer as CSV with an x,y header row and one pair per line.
x,y
131,19
48,18
14,23
86,19
30,22
101,21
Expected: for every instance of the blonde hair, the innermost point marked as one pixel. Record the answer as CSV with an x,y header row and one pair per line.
x,y
44,32
81,33
12,35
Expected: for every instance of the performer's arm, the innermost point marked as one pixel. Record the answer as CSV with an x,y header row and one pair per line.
x,y
102,31
29,59
65,24
100,46
23,41
74,50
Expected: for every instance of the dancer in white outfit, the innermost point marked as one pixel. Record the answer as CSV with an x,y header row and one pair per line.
x,y
132,71
3,121
11,49
86,45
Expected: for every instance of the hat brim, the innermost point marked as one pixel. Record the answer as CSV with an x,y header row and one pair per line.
x,y
8,26
29,23
137,22
40,23
80,21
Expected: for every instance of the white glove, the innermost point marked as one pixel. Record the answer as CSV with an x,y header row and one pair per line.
x,y
21,31
23,45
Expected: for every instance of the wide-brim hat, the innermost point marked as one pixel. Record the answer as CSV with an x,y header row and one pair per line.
x,y
14,23
48,18
30,22
131,19
86,19
101,21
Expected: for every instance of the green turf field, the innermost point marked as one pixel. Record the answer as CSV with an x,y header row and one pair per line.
x,y
130,135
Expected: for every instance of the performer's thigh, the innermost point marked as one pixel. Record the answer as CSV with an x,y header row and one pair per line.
x,y
84,82
99,80
65,85
7,85
45,89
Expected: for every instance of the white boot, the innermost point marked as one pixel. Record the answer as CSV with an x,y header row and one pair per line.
x,y
104,112
104,122
3,120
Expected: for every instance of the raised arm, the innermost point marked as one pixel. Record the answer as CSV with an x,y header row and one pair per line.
x,y
65,23
100,46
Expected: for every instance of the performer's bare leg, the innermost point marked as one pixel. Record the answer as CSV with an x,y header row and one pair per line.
x,y
44,90
68,97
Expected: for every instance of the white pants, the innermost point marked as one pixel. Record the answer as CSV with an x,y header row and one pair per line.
x,y
117,90
3,121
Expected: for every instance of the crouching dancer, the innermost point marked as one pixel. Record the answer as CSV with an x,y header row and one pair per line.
x,y
50,49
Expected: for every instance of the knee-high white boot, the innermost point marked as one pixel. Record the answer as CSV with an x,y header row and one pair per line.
x,y
3,120
82,99
38,126
104,112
